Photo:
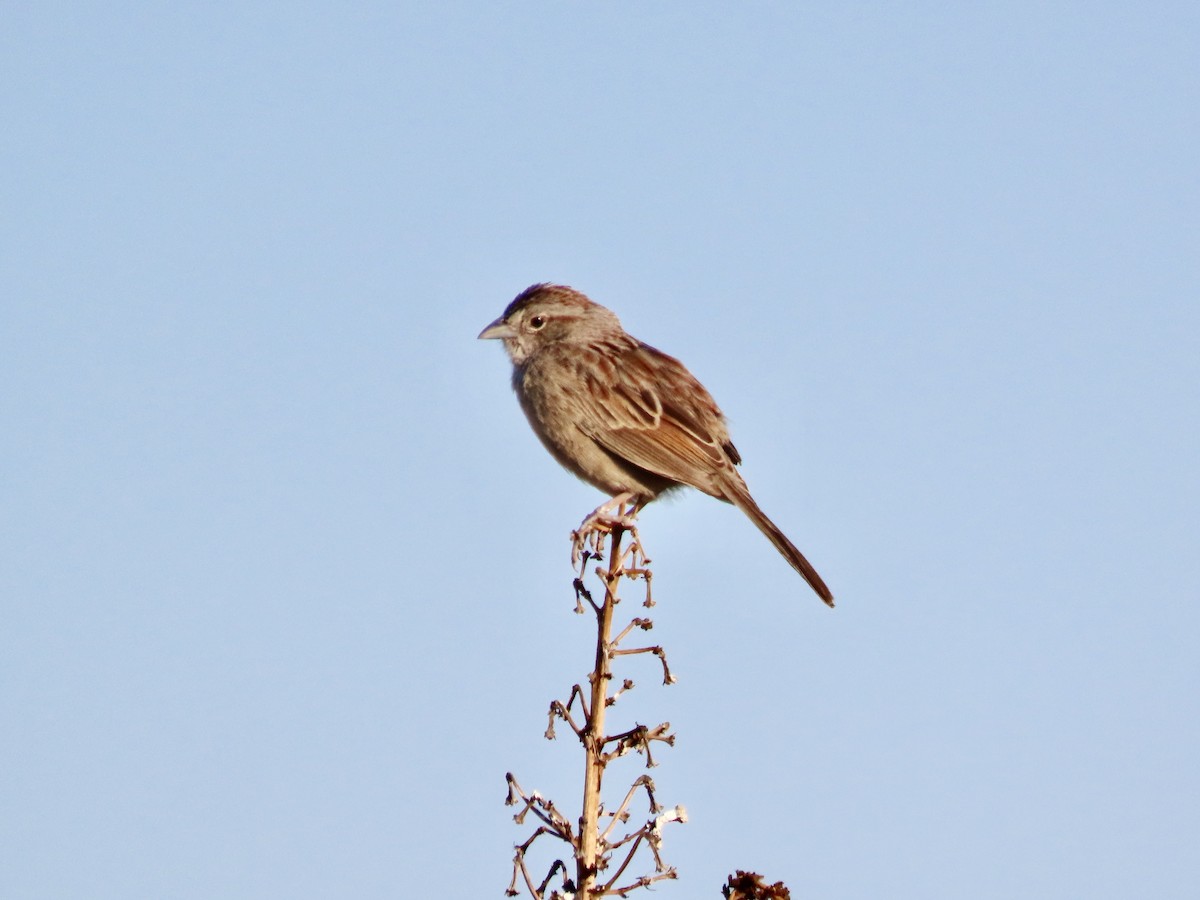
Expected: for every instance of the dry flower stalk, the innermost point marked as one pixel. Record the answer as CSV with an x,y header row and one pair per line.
x,y
600,857
752,886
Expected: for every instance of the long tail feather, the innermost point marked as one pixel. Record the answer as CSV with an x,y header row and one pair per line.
x,y
743,501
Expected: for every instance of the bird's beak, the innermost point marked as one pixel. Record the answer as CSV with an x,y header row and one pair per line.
x,y
498,330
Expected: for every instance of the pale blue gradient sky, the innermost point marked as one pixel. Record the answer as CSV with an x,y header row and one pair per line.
x,y
283,572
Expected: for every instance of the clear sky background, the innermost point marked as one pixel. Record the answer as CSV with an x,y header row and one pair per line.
x,y
284,574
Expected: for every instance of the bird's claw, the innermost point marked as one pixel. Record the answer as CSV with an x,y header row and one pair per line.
x,y
600,523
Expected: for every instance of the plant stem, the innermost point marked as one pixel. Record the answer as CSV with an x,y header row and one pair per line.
x,y
593,731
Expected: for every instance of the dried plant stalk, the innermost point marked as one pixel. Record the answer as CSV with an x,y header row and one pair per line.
x,y
594,847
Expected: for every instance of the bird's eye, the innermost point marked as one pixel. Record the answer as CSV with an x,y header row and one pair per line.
x,y
537,322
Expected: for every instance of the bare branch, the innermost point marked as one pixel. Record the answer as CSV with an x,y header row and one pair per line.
x,y
668,678
644,624
626,685
564,712
592,848
621,815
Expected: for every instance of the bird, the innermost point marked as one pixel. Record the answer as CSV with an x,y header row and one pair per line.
x,y
621,415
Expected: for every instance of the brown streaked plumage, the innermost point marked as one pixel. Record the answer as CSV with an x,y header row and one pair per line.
x,y
621,415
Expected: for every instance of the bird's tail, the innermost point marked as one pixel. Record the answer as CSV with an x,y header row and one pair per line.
x,y
743,501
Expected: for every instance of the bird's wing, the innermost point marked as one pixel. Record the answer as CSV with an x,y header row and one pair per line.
x,y
651,411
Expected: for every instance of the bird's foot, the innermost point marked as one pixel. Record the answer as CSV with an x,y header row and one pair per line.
x,y
601,522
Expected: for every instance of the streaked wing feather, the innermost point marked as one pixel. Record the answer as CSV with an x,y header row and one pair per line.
x,y
649,414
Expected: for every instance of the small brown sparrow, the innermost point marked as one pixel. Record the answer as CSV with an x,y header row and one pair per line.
x,y
624,417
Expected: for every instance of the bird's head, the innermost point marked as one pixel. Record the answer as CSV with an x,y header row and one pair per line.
x,y
546,314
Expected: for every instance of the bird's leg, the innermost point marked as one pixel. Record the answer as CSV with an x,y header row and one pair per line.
x,y
604,517
601,521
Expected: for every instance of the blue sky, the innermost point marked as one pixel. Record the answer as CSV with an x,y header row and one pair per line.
x,y
285,576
